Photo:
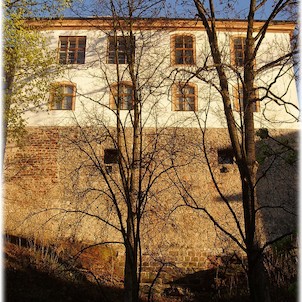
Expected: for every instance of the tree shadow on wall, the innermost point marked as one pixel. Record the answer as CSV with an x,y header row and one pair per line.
x,y
225,282
277,183
277,188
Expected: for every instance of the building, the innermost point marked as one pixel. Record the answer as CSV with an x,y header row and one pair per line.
x,y
61,181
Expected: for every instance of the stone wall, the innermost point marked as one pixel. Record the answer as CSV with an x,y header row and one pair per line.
x,y
51,186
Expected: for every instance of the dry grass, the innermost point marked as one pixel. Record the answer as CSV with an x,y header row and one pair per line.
x,y
45,274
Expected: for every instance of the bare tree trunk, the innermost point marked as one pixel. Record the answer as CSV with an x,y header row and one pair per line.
x,y
131,282
244,150
257,276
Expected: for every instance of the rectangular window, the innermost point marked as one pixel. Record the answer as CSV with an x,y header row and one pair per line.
x,y
111,156
72,50
238,45
62,96
225,156
122,96
183,50
238,101
119,49
184,97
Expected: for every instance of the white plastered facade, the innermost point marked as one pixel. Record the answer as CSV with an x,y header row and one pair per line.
x,y
156,76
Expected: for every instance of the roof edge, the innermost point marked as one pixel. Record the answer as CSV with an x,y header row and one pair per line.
x,y
153,23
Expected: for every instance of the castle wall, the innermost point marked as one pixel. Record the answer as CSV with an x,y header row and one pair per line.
x,y
56,194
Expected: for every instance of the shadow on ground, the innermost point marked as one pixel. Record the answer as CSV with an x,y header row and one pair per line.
x,y
31,285
32,275
211,285
33,280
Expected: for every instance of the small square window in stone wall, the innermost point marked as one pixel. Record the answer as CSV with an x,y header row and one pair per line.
x,y
111,156
225,156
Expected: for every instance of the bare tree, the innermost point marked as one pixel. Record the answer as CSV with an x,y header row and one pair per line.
x,y
122,162
123,167
242,133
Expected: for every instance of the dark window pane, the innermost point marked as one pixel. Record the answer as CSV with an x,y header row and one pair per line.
x,y
189,56
191,90
67,103
63,57
188,42
122,47
82,43
179,57
179,42
180,104
111,58
72,43
225,156
72,50
58,105
111,156
81,58
68,89
122,59
183,50
190,104
71,57
64,44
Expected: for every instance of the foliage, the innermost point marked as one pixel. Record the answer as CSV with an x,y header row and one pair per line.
x,y
29,66
270,147
262,133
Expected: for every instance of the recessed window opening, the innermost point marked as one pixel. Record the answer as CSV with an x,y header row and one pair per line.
x,y
123,95
72,50
62,96
120,49
238,51
225,156
238,101
184,97
183,49
111,156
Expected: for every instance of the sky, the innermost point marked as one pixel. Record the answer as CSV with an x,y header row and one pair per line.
x,y
233,9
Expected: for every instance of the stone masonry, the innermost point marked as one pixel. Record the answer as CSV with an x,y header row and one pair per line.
x,y
48,188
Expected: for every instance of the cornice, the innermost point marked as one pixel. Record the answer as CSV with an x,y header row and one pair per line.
x,y
107,23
